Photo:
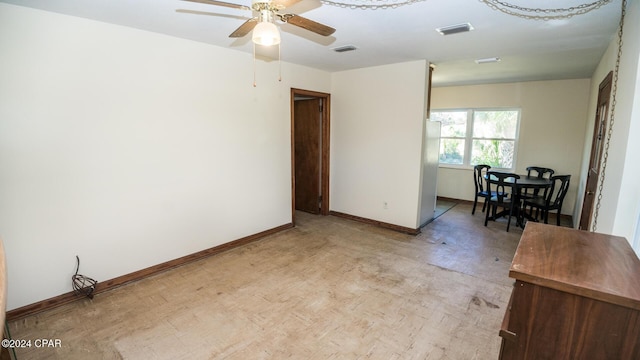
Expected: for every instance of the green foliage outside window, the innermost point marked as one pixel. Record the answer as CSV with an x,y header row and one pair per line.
x,y
453,131
497,153
451,151
491,133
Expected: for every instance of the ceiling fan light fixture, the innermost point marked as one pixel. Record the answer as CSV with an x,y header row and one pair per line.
x,y
266,33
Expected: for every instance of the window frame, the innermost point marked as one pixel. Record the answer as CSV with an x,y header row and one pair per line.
x,y
468,139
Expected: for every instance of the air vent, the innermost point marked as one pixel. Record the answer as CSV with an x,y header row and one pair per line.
x,y
455,29
344,48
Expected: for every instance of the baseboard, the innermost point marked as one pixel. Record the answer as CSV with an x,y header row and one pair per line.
x,y
398,228
107,285
443,198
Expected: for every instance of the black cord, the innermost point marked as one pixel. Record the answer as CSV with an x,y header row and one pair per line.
x,y
82,285
77,265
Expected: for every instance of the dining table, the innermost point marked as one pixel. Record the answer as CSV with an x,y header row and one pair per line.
x,y
524,183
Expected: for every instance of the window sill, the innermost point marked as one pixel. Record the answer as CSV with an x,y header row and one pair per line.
x,y
470,168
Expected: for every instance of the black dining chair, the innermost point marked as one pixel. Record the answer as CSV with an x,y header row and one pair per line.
x,y
540,173
479,172
552,199
504,186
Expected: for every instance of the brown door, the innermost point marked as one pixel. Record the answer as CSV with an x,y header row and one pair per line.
x,y
307,135
597,144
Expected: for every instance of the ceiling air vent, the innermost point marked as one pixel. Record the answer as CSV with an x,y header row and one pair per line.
x,y
344,48
454,29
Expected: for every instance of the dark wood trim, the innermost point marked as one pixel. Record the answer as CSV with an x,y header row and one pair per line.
x,y
326,142
459,201
293,154
429,88
600,128
107,285
326,131
398,228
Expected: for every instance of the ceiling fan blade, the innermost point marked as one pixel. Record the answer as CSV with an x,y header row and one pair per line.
x,y
220,3
196,12
307,24
283,4
245,28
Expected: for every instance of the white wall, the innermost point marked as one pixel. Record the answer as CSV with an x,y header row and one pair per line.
x,y
552,128
376,141
130,148
620,206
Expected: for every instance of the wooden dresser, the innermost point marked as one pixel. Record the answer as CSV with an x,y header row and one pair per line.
x,y
576,296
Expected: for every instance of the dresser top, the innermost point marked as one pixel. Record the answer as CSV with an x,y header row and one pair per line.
x,y
598,266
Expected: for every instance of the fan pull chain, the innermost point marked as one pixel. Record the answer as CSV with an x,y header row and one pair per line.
x,y
254,65
279,64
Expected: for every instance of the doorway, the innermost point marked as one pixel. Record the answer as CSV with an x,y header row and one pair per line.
x,y
597,144
310,151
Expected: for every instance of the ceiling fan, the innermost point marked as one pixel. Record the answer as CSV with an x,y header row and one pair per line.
x,y
263,24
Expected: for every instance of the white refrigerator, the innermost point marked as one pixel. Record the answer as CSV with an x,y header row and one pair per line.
x,y
428,193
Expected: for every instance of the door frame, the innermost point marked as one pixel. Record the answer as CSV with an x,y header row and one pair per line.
x,y
597,146
324,149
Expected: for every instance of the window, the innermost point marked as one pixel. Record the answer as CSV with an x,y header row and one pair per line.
x,y
478,136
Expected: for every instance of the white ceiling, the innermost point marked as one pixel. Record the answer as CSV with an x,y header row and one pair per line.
x,y
529,49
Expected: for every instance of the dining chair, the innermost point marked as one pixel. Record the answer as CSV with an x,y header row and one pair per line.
x,y
479,172
504,186
539,172
552,199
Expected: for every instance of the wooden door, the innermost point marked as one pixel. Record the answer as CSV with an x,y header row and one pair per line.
x,y
597,145
307,135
